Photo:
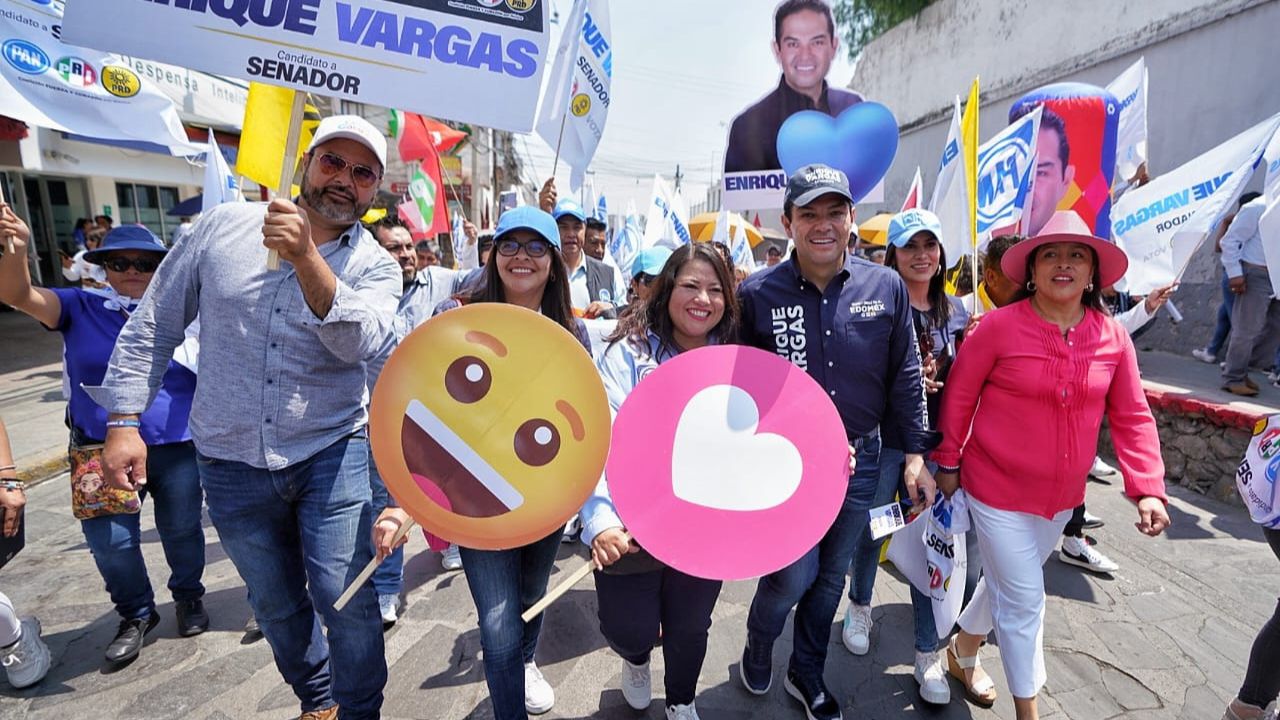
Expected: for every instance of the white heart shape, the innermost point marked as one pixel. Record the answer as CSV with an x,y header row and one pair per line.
x,y
719,461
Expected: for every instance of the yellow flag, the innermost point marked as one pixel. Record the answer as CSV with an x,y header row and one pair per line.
x,y
266,131
969,139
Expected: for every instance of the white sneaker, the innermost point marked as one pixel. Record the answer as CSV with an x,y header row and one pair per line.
x,y
450,558
1204,356
571,530
857,629
538,695
387,606
1078,552
932,680
682,712
637,686
1102,470
26,662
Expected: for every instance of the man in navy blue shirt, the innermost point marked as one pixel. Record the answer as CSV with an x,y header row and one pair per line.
x,y
847,322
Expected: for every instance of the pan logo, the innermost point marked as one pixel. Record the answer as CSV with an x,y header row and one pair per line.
x,y
25,57
76,72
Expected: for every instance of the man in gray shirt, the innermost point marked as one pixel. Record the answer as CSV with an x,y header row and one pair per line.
x,y
1255,317
280,412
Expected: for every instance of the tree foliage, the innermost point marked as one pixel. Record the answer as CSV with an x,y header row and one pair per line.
x,y
861,21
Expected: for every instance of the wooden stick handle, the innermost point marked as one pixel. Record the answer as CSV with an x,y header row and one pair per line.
x,y
558,590
289,164
364,575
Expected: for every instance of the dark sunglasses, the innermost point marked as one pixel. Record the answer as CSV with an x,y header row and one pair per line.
x,y
532,248
363,175
142,265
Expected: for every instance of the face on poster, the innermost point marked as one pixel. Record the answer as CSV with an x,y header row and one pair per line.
x,y
728,462
1075,154
805,46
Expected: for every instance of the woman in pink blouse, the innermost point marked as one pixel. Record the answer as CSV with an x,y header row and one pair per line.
x,y
1020,421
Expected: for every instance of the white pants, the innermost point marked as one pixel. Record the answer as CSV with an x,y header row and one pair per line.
x,y
1010,596
10,628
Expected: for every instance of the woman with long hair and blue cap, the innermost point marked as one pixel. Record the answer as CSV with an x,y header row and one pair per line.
x,y
525,269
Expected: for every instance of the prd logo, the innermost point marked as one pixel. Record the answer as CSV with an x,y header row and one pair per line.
x,y
76,72
521,6
581,105
120,81
25,57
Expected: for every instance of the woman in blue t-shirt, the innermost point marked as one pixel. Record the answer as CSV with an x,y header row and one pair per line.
x,y
90,319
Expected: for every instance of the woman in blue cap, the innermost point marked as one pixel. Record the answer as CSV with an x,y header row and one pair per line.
x,y
90,319
526,269
915,251
691,304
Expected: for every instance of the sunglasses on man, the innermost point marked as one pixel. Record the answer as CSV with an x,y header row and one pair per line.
x,y
533,248
122,264
362,175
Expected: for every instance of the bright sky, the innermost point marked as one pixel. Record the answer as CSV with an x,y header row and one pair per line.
x,y
681,72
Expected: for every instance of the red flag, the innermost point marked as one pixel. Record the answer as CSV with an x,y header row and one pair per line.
x,y
756,222
420,135
913,195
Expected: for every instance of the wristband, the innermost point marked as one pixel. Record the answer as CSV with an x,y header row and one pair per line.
x,y
123,423
948,468
8,467
13,485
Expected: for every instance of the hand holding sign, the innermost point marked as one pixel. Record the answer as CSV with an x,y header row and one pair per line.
x,y
286,230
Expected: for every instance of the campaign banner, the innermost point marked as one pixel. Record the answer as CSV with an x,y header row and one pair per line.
x,y
1130,89
1006,173
1076,154
447,58
1256,476
1161,224
49,83
576,105
667,221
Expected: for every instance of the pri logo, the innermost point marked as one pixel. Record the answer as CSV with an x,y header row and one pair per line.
x,y
76,72
1269,445
25,57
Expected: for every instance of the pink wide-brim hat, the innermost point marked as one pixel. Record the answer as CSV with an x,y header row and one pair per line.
x,y
1066,226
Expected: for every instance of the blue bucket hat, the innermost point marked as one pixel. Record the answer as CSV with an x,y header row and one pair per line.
x,y
905,225
650,261
528,217
126,237
569,207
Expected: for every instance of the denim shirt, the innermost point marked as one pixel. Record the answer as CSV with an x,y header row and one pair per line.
x,y
856,338
277,384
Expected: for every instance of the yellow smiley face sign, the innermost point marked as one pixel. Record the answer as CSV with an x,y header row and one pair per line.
x,y
490,426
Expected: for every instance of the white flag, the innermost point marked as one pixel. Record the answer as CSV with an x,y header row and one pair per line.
x,y
741,249
665,223
219,183
721,231
1130,88
1269,223
578,93
466,253
47,83
949,200
1006,173
625,243
1161,224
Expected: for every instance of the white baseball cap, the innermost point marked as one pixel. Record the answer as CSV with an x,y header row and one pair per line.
x,y
351,127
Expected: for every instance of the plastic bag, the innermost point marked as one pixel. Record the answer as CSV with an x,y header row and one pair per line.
x,y
930,553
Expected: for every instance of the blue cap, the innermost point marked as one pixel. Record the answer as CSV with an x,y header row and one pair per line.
x,y
905,225
528,217
569,207
650,261
126,237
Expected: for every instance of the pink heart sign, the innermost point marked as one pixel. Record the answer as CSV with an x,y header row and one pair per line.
x,y
728,463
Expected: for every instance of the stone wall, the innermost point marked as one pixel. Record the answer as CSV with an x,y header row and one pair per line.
x,y
1202,444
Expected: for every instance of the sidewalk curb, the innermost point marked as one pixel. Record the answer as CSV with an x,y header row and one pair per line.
x,y
36,473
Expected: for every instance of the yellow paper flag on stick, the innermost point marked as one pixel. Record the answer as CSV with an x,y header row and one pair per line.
x,y
266,130
969,142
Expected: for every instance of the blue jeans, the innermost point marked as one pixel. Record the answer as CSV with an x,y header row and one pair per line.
x,y
505,583
866,556
115,540
388,579
1223,327
298,537
813,584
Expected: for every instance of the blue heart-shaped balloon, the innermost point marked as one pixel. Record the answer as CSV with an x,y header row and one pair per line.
x,y
861,141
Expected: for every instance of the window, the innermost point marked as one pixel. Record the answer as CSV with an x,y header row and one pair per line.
x,y
147,205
